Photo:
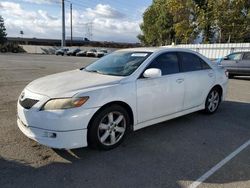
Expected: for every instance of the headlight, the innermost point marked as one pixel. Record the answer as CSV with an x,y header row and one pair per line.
x,y
64,103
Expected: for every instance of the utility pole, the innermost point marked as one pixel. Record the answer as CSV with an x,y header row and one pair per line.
x,y
63,25
71,30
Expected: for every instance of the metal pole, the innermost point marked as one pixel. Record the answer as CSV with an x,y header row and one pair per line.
x,y
63,25
71,30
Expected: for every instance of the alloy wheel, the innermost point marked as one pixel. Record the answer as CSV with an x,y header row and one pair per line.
x,y
111,128
213,101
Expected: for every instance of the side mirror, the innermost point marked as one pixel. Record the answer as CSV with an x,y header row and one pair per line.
x,y
152,73
226,58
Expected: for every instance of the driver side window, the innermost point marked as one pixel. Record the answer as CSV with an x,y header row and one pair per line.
x,y
167,63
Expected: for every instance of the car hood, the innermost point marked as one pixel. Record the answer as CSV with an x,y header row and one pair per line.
x,y
71,82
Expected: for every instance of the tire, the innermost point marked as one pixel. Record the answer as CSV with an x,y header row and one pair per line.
x,y
108,128
212,101
3,50
14,50
230,75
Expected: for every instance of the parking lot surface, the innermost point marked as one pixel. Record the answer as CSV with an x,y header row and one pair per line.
x,y
170,154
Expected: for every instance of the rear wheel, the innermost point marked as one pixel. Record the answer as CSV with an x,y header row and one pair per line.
x,y
108,128
213,101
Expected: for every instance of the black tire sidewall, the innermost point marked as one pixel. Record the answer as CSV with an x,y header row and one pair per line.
x,y
206,103
92,136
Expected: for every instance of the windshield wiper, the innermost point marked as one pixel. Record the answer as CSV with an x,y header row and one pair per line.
x,y
96,71
105,73
91,70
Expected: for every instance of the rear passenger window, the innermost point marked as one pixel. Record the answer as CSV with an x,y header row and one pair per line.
x,y
191,62
246,56
168,63
204,65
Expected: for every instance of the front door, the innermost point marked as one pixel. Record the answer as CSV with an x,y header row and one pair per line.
x,y
157,97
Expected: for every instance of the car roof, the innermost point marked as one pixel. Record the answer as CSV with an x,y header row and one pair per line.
x,y
165,49
156,49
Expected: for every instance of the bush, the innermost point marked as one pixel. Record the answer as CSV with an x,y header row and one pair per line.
x,y
14,48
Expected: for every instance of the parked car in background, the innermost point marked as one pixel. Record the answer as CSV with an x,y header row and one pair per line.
x,y
237,64
126,90
73,52
61,51
91,53
82,53
101,53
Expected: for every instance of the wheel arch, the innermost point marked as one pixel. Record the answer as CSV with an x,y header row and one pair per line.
x,y
219,88
120,103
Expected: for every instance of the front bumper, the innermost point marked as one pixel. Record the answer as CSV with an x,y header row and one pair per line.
x,y
55,139
64,129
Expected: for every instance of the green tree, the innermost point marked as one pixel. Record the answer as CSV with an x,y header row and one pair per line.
x,y
233,20
3,33
167,21
157,27
184,19
206,19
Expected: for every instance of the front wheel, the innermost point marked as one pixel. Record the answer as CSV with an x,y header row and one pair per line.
x,y
213,101
108,128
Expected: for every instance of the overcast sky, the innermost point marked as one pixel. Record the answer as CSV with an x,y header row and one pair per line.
x,y
113,20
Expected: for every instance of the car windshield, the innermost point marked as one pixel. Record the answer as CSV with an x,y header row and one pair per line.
x,y
118,63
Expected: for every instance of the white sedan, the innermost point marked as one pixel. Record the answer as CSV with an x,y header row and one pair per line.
x,y
127,90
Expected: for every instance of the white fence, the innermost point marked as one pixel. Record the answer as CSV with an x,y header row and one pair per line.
x,y
214,51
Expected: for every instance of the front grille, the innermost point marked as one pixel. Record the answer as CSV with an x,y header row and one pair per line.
x,y
28,103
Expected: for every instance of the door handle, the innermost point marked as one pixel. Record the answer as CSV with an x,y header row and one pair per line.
x,y
180,80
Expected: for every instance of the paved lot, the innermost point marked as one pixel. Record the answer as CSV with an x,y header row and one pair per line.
x,y
171,154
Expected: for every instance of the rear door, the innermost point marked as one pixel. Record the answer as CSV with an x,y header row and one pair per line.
x,y
199,78
244,64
